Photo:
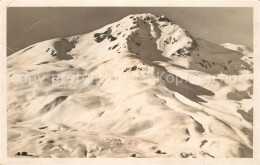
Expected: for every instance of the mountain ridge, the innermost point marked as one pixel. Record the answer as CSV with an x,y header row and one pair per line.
x,y
168,40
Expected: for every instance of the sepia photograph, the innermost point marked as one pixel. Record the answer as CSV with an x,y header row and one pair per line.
x,y
129,82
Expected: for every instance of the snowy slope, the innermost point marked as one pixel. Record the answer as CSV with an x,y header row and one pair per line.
x,y
240,48
149,89
245,50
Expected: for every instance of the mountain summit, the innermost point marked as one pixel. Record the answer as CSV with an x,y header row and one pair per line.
x,y
141,86
151,38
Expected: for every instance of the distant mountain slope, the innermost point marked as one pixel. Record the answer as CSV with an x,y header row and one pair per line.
x,y
240,48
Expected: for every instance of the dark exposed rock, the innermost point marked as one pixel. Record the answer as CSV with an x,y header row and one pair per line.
x,y
62,47
165,41
147,18
112,38
163,18
203,142
133,155
99,37
174,40
24,153
160,152
115,46
133,27
180,51
184,155
52,52
134,68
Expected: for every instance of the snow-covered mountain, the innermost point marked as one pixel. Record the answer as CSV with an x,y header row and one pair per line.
x,y
140,87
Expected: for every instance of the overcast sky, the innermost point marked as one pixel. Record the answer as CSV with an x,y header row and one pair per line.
x,y
26,26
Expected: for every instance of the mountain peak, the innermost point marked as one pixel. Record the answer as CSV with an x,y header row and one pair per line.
x,y
141,31
149,38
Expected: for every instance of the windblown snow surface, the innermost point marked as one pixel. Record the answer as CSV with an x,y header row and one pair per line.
x,y
150,89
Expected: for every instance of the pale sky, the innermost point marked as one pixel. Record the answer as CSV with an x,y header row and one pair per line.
x,y
26,26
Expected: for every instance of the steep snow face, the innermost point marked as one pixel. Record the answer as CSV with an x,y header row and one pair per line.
x,y
142,85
